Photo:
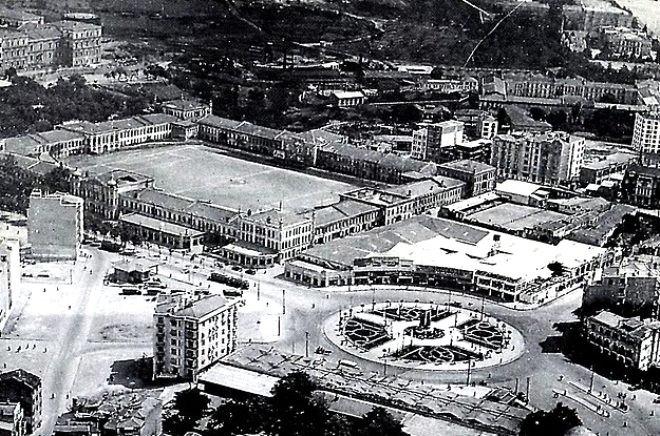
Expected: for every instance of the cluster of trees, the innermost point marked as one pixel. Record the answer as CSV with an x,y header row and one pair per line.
x,y
294,410
606,123
26,106
555,422
16,184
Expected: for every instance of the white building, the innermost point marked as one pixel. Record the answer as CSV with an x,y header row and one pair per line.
x,y
55,226
190,335
549,158
10,276
646,134
432,140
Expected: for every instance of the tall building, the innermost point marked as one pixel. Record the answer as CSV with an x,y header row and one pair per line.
x,y
548,158
435,142
10,276
192,334
646,133
55,226
20,386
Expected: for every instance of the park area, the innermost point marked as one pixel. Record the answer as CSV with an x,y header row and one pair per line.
x,y
202,173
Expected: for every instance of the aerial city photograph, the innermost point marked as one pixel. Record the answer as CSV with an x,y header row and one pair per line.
x,y
329,218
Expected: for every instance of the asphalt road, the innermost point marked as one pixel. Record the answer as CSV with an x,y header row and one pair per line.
x,y
73,331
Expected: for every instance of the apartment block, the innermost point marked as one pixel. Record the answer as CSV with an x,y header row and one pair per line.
x,y
435,142
646,132
547,158
631,342
191,335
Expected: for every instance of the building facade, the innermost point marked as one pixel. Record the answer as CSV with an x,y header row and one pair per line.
x,y
646,132
55,226
641,186
478,177
20,386
549,158
190,335
12,422
10,277
432,142
631,342
187,109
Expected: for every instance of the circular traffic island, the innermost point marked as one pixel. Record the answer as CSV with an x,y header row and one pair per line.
x,y
425,336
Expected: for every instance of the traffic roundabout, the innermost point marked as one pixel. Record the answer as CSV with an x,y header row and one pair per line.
x,y
424,336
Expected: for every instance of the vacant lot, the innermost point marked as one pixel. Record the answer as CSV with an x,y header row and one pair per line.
x,y
201,173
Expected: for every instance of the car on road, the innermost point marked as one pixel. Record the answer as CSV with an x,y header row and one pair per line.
x,y
236,268
250,271
232,292
156,283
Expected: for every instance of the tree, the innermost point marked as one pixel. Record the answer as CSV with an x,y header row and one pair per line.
x,y
239,417
57,179
378,422
296,412
555,422
190,406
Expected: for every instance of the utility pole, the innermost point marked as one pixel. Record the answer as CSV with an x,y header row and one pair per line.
x,y
306,344
591,380
515,390
527,391
279,325
469,372
283,302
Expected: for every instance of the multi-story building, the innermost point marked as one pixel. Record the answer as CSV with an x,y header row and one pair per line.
x,y
598,171
187,109
113,135
646,132
478,123
175,209
10,276
633,284
343,218
623,42
57,143
403,202
55,226
450,85
286,234
435,142
102,192
370,164
641,186
478,177
548,158
35,44
630,342
190,335
12,422
81,43
20,386
14,49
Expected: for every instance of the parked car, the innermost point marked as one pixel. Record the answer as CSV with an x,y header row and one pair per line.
x,y
236,268
250,271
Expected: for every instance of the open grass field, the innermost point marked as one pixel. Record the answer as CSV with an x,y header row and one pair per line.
x,y
198,172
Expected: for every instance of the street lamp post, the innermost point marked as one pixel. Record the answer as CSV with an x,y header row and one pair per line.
x,y
283,302
306,344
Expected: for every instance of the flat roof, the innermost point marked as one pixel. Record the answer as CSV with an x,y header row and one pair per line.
x,y
239,379
517,187
468,166
155,224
